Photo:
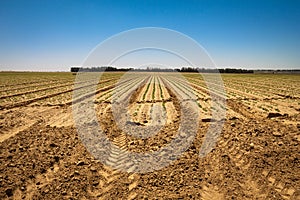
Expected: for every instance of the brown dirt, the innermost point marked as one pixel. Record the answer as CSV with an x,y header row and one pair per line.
x,y
42,157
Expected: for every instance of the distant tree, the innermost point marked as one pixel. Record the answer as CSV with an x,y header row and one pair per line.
x,y
75,69
157,69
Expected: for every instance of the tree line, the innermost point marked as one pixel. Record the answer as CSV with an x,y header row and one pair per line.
x,y
182,69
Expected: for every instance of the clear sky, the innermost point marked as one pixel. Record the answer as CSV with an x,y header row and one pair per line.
x,y
53,35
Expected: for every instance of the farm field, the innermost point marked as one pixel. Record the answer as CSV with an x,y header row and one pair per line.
x,y
256,155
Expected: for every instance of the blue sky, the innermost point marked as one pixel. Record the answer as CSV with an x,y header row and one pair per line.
x,y
56,34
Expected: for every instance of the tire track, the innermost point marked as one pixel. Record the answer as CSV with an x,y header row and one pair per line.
x,y
266,186
116,180
210,193
119,159
114,176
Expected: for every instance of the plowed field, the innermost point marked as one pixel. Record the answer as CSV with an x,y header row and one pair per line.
x,y
256,156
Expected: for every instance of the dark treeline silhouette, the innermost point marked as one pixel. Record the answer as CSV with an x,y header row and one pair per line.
x,y
278,71
206,70
183,69
231,70
99,69
114,69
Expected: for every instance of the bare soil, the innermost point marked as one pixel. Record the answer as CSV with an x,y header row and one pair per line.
x,y
256,157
